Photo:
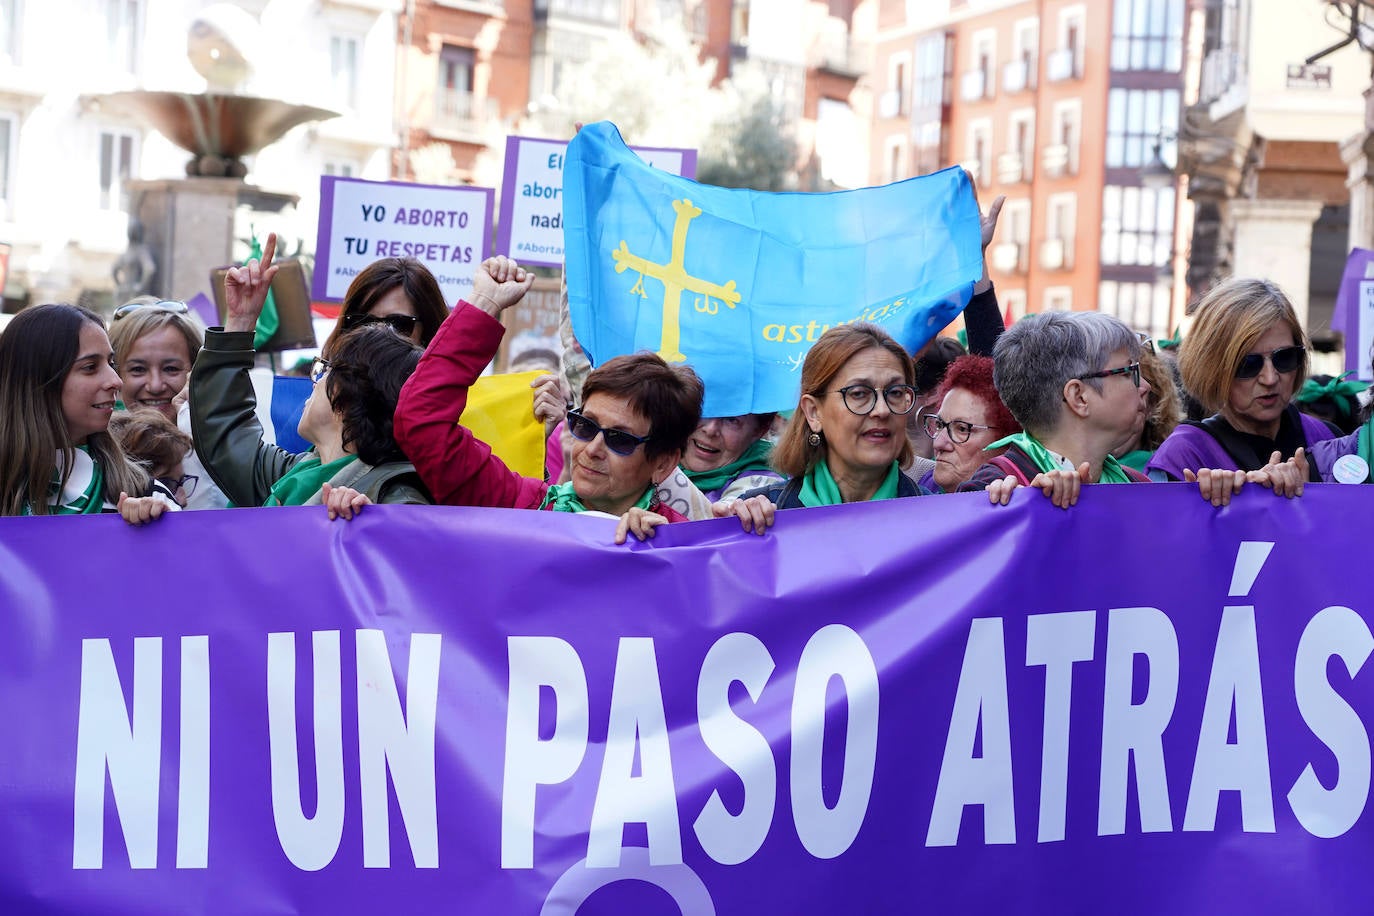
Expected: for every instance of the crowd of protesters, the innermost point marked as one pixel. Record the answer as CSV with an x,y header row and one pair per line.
x,y
159,414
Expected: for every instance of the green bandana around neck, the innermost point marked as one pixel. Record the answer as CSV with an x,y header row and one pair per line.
x,y
820,489
1044,460
91,501
755,456
304,480
561,498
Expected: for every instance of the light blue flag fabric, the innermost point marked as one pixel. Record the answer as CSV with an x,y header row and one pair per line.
x,y
740,284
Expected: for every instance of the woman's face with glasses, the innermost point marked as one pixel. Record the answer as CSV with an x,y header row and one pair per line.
x,y
963,414
396,302
1255,404
603,478
863,432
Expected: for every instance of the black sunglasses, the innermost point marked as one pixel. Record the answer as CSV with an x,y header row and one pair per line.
x,y
173,306
1284,360
617,440
401,324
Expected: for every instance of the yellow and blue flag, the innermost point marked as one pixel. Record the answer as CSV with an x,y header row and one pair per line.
x,y
740,284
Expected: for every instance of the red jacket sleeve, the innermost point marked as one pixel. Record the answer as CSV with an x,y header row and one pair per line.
x,y
457,467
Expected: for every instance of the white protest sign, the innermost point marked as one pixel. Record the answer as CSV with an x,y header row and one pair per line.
x,y
531,220
448,229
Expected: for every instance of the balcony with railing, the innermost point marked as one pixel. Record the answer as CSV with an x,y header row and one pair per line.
x,y
837,53
1058,161
1063,65
1056,254
606,12
1010,257
1017,76
1222,86
973,85
1011,168
465,116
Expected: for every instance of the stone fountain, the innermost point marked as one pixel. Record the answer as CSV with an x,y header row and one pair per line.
x,y
188,223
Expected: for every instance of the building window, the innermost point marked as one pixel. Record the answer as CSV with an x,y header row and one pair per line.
x,y
343,69
1066,61
121,33
739,23
1061,214
979,79
1137,119
1059,299
1021,71
896,101
117,151
9,30
1011,253
1066,131
9,130
978,154
1015,166
1148,35
894,160
454,95
1143,306
340,168
1137,226
1013,302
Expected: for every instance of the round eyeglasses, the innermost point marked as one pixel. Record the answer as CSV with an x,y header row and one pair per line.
x,y
957,430
861,399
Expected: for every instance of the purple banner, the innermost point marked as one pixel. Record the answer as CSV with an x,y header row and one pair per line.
x,y
1353,314
1140,705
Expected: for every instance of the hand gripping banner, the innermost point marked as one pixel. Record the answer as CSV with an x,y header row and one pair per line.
x,y
915,706
740,284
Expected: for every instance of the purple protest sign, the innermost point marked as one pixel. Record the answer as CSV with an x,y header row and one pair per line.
x,y
447,228
531,214
927,705
1354,312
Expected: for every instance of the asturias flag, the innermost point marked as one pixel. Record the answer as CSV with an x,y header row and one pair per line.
x,y
740,284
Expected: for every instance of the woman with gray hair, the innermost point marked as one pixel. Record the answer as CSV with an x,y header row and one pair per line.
x,y
1072,380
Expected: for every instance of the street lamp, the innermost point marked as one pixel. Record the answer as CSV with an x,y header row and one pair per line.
x,y
1158,174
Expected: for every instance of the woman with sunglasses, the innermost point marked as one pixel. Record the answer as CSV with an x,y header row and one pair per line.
x,y
398,292
636,415
971,417
846,441
1072,380
1244,359
58,389
155,344
354,459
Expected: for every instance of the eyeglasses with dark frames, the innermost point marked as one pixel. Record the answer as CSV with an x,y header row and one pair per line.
x,y
958,430
1284,360
318,367
401,324
617,440
861,399
1133,370
172,306
186,483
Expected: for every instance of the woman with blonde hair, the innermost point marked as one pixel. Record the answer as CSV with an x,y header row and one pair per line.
x,y
156,342
1244,359
58,389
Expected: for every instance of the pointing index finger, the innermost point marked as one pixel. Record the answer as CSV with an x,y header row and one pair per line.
x,y
269,250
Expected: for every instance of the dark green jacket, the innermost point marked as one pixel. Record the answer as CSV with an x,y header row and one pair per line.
x,y
228,436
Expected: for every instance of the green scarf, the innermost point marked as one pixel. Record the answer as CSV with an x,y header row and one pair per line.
x,y
1137,459
1045,460
304,480
820,489
561,498
755,456
1364,441
91,500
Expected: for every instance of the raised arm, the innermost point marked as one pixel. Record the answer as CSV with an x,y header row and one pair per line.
x,y
457,467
